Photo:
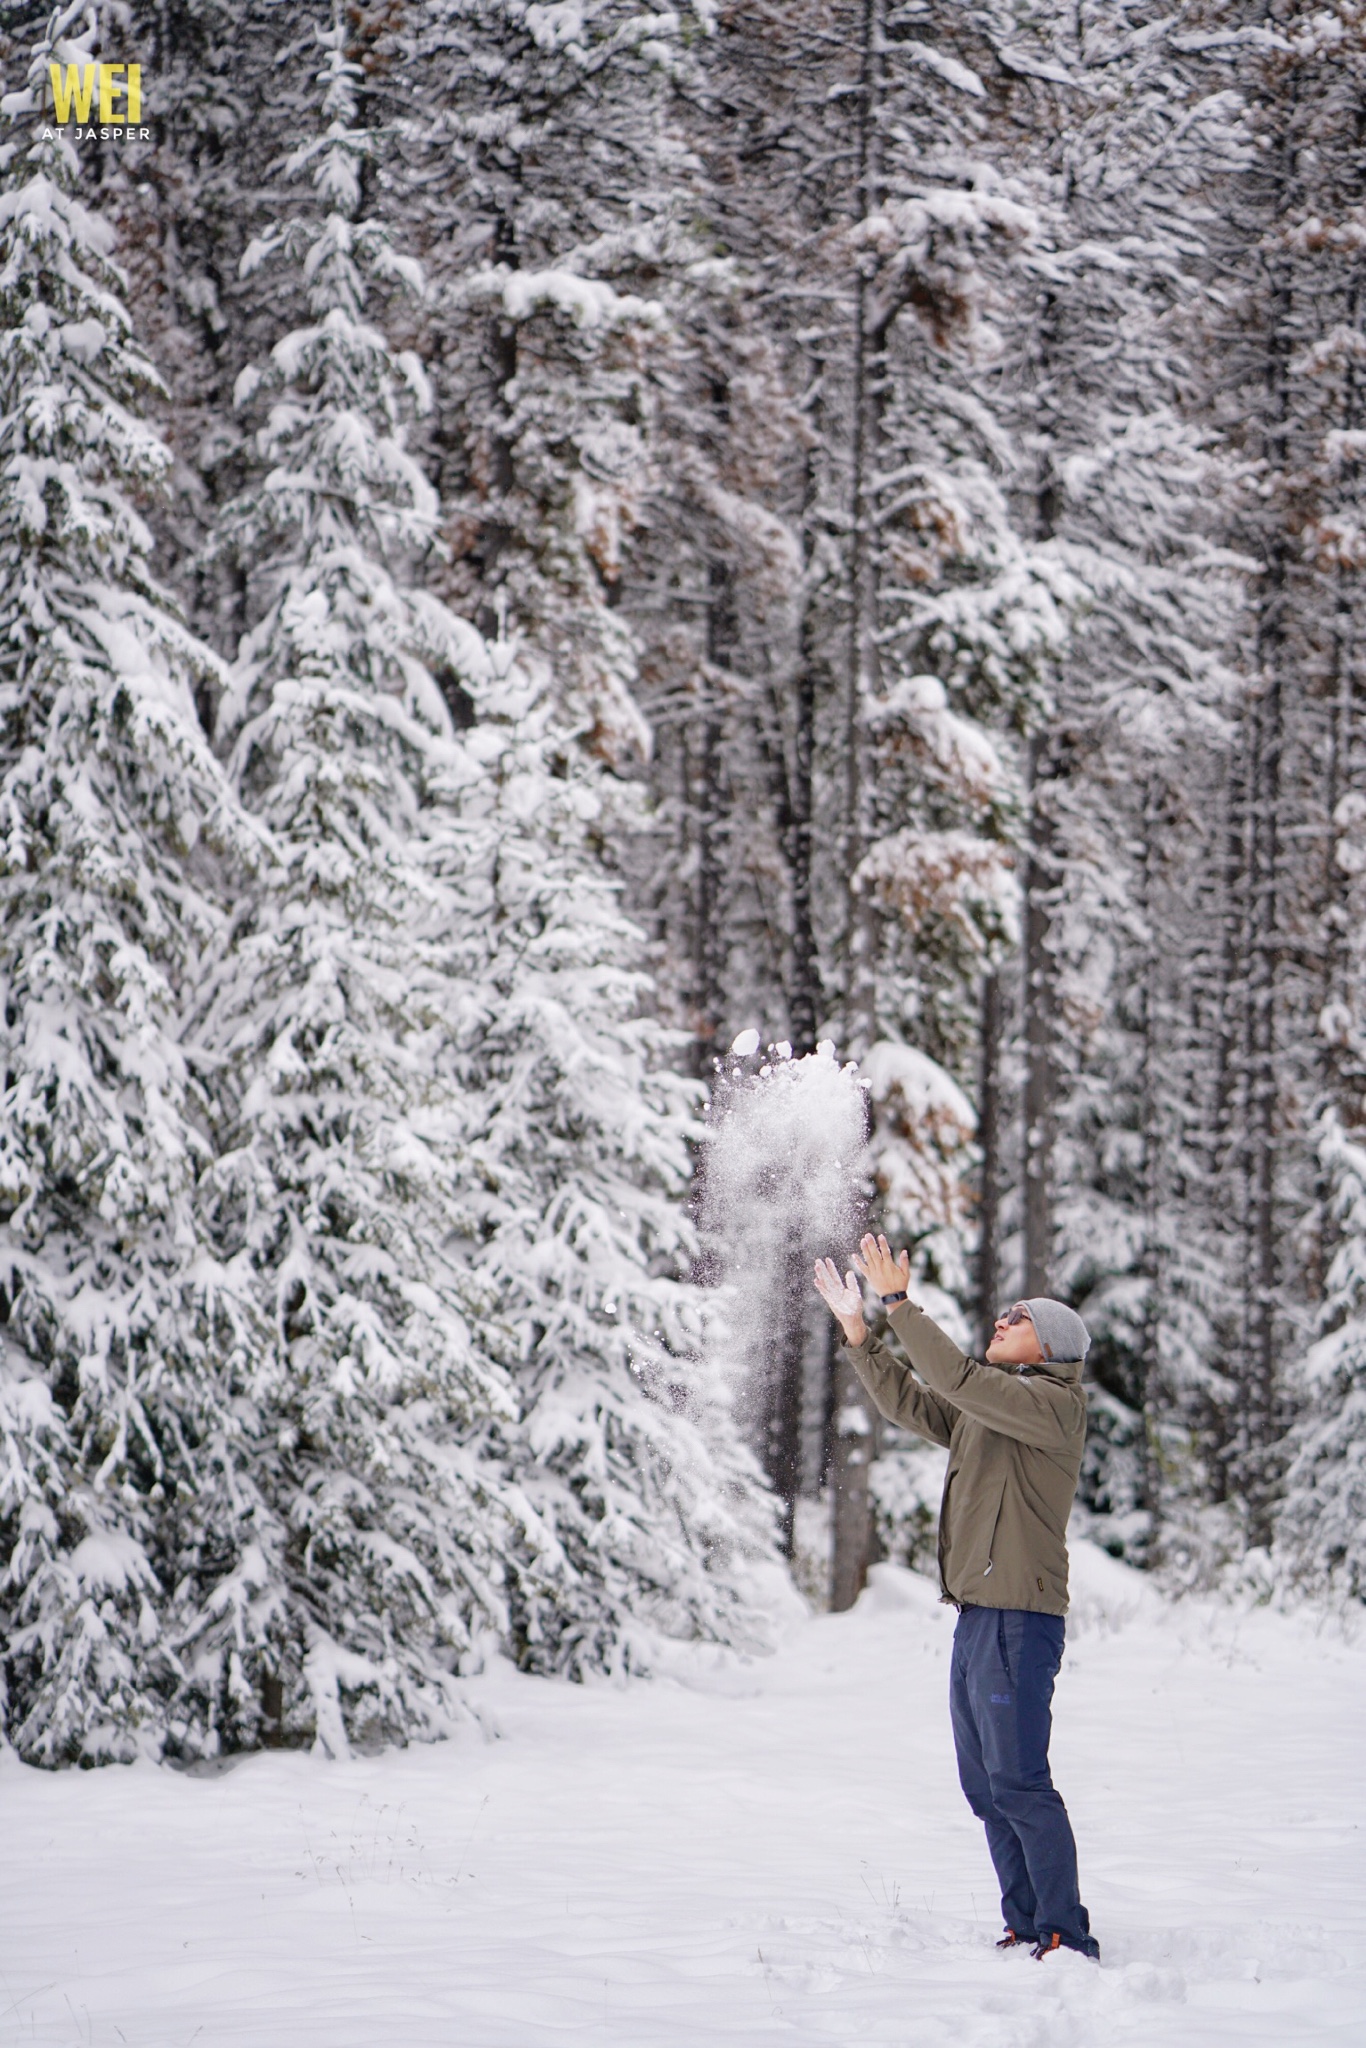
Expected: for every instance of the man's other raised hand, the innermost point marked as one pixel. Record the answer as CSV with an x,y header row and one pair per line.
x,y
886,1272
843,1299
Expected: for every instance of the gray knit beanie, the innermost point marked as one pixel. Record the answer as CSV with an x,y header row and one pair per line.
x,y
1060,1330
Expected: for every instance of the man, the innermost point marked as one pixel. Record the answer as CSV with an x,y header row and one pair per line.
x,y
1014,1428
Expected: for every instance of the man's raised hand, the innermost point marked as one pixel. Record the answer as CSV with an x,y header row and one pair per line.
x,y
842,1298
886,1272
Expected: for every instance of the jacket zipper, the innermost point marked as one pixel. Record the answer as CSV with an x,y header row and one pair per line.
x,y
1000,1508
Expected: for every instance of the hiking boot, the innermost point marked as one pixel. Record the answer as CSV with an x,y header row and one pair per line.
x,y
1047,1943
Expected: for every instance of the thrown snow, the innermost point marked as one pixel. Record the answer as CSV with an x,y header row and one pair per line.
x,y
777,1852
782,1180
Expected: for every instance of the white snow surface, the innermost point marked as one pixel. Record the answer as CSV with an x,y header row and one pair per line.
x,y
761,1853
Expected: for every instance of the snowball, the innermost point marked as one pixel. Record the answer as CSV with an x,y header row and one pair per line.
x,y
745,1044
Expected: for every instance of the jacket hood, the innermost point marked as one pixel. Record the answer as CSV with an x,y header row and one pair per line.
x,y
1066,1370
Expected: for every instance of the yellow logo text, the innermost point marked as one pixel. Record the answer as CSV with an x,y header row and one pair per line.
x,y
73,89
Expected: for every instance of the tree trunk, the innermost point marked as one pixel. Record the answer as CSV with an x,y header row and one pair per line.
x,y
709,824
783,1433
1151,1138
989,1138
1258,1421
869,375
1258,1418
806,998
1039,1092
853,1418
787,742
501,347
272,1710
1343,1075
853,1446
708,1002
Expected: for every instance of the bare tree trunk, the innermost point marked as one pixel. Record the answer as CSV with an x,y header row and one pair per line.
x,y
1343,1075
1257,1417
806,998
1227,1153
783,1433
989,1138
853,1447
1040,1092
497,534
869,376
708,820
853,1418
1151,1138
1224,1139
272,1711
1258,1420
787,742
1040,1079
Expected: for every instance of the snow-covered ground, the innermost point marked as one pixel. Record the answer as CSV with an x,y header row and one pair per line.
x,y
778,1853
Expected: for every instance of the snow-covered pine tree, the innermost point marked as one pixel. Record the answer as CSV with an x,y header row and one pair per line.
x,y
337,1190
577,1170
543,129
456,1179
221,106
558,344
1311,81
126,1349
1321,1525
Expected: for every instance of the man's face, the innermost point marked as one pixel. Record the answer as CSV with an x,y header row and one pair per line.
x,y
1014,1341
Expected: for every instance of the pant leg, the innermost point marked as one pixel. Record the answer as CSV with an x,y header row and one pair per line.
x,y
976,1673
1015,1722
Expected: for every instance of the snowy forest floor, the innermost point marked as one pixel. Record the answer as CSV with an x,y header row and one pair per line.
x,y
767,1854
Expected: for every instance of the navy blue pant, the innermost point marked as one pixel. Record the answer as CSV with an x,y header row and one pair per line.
x,y
1001,1696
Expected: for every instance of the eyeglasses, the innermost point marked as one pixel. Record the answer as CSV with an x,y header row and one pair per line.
x,y
1018,1314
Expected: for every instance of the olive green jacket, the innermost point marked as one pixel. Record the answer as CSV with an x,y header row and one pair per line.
x,y
1015,1437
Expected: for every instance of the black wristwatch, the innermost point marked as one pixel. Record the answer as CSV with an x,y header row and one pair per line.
x,y
891,1300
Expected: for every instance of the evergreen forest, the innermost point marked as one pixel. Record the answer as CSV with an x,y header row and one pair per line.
x,y
559,561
